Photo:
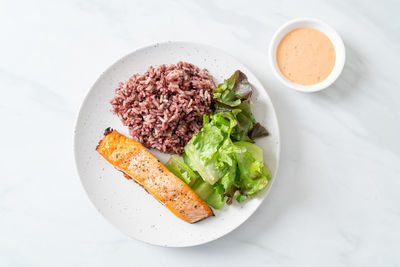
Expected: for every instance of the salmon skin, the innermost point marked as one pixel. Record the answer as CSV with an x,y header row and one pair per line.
x,y
130,157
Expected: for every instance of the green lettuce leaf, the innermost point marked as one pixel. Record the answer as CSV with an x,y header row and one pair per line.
x,y
233,169
233,95
181,170
253,173
233,90
211,151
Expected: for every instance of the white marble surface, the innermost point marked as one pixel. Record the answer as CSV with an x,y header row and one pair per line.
x,y
336,198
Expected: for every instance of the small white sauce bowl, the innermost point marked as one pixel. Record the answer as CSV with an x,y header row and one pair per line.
x,y
318,25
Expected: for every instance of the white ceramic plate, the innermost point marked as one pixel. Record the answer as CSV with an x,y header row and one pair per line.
x,y
125,204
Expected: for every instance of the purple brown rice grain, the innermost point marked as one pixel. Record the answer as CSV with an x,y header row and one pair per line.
x,y
164,107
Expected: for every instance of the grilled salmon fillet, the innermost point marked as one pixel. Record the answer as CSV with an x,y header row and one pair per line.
x,y
130,157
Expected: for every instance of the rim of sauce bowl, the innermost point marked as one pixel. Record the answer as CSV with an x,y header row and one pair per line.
x,y
333,36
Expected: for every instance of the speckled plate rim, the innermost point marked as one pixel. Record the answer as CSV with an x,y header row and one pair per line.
x,y
85,100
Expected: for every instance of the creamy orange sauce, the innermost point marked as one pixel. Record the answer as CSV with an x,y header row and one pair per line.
x,y
306,56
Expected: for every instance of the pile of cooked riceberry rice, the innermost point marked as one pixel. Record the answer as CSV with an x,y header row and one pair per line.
x,y
164,107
